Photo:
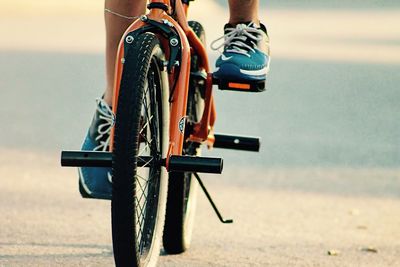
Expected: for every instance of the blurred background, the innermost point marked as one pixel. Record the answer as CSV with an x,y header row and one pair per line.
x,y
329,123
333,88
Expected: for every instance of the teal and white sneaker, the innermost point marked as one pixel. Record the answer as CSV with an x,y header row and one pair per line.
x,y
244,63
96,182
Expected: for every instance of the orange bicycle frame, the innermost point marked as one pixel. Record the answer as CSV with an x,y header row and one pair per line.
x,y
190,43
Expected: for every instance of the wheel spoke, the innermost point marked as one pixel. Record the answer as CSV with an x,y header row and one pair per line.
x,y
147,141
145,125
145,148
143,191
147,163
141,177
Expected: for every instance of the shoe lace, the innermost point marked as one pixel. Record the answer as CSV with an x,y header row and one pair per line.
x,y
240,40
104,129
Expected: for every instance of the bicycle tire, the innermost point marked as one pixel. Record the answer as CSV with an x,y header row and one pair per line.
x,y
182,188
139,193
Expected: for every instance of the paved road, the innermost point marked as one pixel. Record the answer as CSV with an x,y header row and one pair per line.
x,y
327,177
283,217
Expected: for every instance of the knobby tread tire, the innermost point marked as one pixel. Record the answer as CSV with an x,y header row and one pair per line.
x,y
138,61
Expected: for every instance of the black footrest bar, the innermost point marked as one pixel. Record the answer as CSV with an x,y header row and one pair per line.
x,y
93,159
86,159
237,142
176,163
195,164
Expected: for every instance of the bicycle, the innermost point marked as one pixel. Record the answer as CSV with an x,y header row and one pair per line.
x,y
164,110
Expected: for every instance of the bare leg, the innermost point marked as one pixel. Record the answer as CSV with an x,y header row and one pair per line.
x,y
115,27
243,11
240,11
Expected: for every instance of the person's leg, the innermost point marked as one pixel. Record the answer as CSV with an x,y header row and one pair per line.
x,y
115,27
243,11
96,182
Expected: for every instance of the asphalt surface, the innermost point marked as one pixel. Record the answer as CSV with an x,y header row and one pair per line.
x,y
327,177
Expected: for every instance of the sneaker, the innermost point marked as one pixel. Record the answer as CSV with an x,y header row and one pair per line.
x,y
96,182
245,58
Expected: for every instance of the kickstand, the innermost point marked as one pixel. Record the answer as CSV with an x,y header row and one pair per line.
x,y
210,200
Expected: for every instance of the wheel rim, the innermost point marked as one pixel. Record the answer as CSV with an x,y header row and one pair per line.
x,y
148,176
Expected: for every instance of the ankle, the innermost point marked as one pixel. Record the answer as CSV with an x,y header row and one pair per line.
x,y
236,21
108,97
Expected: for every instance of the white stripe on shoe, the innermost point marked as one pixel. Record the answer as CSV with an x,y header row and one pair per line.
x,y
255,72
85,187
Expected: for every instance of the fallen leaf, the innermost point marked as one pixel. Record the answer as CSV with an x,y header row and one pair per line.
x,y
370,249
333,252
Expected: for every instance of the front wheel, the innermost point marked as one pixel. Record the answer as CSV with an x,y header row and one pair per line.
x,y
140,193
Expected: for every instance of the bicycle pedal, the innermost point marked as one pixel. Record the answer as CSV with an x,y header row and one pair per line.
x,y
246,143
240,86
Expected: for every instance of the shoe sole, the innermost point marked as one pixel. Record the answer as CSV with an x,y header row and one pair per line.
x,y
229,77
